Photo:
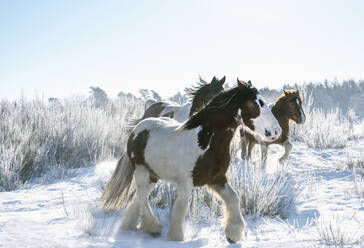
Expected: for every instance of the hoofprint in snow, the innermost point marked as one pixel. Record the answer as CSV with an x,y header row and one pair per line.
x,y
65,213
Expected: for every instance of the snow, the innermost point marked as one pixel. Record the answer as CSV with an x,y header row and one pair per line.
x,y
65,213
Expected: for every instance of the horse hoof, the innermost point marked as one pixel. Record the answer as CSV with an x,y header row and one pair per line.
x,y
175,236
234,232
155,235
230,240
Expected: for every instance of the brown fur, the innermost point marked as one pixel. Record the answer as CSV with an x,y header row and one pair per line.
x,y
219,122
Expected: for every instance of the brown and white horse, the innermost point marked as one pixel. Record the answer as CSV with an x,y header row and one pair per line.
x,y
199,96
194,153
286,108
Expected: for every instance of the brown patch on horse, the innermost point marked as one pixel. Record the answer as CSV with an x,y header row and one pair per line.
x,y
135,149
212,166
219,120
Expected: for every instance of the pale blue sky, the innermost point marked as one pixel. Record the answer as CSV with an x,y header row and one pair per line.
x,y
60,48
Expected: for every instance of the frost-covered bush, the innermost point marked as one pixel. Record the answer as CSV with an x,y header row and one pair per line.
x,y
358,179
37,137
260,194
339,230
324,129
263,194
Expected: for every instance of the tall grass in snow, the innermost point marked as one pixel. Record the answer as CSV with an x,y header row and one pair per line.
x,y
260,194
263,194
37,137
358,179
326,129
339,230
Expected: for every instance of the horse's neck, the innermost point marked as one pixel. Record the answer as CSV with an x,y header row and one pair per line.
x,y
282,119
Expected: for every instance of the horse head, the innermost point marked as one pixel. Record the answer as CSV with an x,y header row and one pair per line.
x,y
293,106
255,113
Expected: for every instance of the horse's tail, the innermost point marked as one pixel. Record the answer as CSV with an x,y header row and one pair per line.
x,y
130,124
121,186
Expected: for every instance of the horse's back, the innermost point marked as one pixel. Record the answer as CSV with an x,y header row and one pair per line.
x,y
170,154
167,109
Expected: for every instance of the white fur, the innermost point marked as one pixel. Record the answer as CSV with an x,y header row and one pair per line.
x,y
140,206
166,148
179,210
234,221
172,156
181,112
266,121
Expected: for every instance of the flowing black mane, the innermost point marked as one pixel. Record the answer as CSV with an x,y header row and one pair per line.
x,y
220,103
202,93
192,92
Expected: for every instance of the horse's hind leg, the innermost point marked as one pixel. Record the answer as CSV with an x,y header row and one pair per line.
x,y
179,210
131,214
234,221
149,222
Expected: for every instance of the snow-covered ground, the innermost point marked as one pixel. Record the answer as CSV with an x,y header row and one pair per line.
x,y
65,213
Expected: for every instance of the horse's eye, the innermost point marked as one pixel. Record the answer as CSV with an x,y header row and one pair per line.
x,y
261,103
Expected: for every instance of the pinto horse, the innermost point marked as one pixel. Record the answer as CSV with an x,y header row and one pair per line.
x,y
287,107
199,96
193,153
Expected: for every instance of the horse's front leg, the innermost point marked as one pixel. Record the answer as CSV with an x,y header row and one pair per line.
x,y
179,210
234,221
287,150
264,153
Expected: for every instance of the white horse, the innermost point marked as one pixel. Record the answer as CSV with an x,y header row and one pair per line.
x,y
199,95
194,153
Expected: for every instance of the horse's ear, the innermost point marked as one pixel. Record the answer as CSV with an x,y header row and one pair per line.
x,y
241,84
222,81
214,80
286,92
250,83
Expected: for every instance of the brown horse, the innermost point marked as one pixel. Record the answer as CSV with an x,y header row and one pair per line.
x,y
194,153
287,107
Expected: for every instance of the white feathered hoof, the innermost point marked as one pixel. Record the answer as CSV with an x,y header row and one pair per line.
x,y
234,233
153,228
175,236
283,161
129,224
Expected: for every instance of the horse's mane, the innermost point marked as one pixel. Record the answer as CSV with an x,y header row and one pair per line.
x,y
219,103
286,95
192,92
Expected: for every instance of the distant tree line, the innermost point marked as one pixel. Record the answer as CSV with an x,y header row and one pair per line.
x,y
347,95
